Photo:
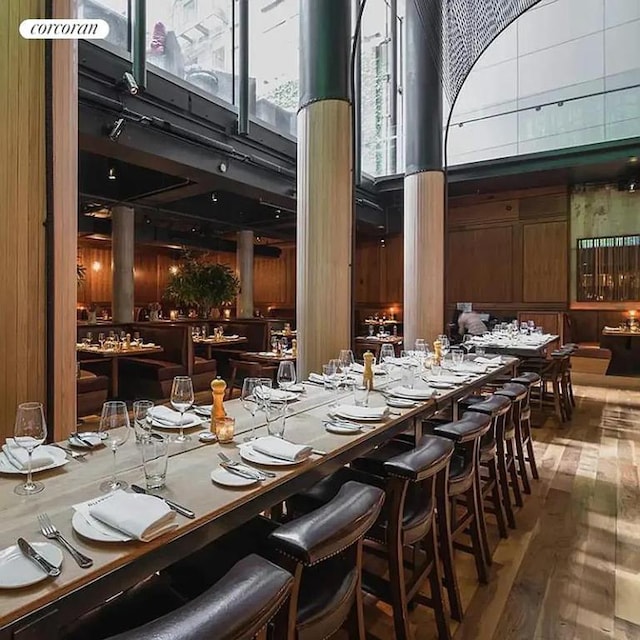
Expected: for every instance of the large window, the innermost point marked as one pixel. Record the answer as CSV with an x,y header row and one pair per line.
x,y
116,15
274,39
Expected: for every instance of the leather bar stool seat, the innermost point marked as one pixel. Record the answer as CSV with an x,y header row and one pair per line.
x,y
237,607
323,549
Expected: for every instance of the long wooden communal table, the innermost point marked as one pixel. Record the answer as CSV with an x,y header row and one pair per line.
x,y
38,612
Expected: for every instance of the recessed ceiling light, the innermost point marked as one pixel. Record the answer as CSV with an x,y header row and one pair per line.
x,y
214,197
112,174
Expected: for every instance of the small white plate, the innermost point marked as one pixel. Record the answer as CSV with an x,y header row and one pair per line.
x,y
190,421
59,459
248,453
86,530
401,403
296,388
228,479
442,385
346,431
90,436
16,570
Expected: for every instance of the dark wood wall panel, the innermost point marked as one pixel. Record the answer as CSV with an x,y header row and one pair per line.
x,y
545,267
479,265
379,272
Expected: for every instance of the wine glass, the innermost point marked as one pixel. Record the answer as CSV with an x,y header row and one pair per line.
x,y
29,432
101,340
142,419
387,356
347,361
115,425
286,378
466,342
250,401
181,399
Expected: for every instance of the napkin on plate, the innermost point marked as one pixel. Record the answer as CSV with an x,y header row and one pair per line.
x,y
139,516
366,413
19,457
281,449
446,378
274,394
234,336
483,360
413,394
168,416
378,369
148,344
316,377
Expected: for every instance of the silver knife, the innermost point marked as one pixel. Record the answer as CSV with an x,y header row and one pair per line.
x,y
242,473
32,554
183,511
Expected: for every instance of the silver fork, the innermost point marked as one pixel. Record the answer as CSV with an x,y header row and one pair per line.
x,y
50,531
80,457
228,461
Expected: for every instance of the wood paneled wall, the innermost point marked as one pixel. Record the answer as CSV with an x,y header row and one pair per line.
x,y
379,271
22,213
274,278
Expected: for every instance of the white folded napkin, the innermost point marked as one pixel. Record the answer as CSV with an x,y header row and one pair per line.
x,y
413,394
281,449
19,457
446,378
483,360
235,336
612,328
378,369
166,415
139,516
274,394
316,377
148,344
355,412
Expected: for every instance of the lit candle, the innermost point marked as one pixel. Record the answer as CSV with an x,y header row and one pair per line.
x,y
225,429
173,314
227,313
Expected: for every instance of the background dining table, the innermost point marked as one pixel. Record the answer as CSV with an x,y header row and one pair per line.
x,y
226,341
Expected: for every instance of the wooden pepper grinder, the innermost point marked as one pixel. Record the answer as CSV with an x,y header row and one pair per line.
x,y
218,386
294,348
367,376
437,351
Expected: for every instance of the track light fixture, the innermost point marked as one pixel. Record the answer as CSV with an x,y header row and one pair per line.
x,y
130,83
112,174
116,129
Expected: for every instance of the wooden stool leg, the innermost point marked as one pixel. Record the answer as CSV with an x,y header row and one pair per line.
x,y
513,473
522,462
446,548
557,405
355,621
435,580
503,477
398,592
483,522
476,536
497,499
531,452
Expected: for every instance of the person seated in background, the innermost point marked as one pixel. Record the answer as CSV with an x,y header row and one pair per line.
x,y
470,322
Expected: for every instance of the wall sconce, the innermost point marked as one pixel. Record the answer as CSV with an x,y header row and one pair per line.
x,y
173,269
96,266
173,314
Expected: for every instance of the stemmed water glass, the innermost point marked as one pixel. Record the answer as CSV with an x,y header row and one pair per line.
x,y
29,432
181,399
286,378
387,355
114,423
346,360
142,415
466,342
330,376
101,340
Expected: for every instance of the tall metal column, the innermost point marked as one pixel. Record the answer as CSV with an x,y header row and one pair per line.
x,y
324,184
424,183
123,226
244,268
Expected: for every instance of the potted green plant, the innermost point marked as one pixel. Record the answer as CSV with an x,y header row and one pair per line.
x,y
201,283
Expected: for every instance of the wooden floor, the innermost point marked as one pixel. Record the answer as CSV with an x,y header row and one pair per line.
x,y
571,570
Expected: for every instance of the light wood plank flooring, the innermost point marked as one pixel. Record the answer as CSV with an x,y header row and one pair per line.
x,y
571,570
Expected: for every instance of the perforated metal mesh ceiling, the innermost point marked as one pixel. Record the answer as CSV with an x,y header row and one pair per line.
x,y
468,27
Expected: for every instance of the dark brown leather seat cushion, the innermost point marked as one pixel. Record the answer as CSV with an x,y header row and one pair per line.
x,y
151,368
91,382
202,365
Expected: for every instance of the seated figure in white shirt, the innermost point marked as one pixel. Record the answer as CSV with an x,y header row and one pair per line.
x,y
470,322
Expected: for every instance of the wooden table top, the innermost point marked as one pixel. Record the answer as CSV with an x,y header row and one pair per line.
x,y
188,483
266,356
377,340
119,353
621,332
220,342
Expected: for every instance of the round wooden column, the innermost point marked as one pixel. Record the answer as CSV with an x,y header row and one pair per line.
x,y
123,240
325,185
424,187
244,269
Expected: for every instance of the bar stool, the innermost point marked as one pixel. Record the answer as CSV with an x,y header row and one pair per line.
x,y
462,482
517,393
530,380
323,548
237,607
497,409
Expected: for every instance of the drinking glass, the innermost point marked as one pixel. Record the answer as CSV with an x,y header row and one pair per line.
x,y
480,351
155,455
204,330
263,393
420,344
457,355
436,370
346,361
360,395
136,337
29,432
142,419
114,423
408,376
250,402
89,337
181,399
466,342
275,411
286,378
101,340
274,344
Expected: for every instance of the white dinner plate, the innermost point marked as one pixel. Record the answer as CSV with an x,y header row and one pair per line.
x,y
190,421
333,427
228,479
59,458
296,388
248,453
94,438
86,530
401,403
16,570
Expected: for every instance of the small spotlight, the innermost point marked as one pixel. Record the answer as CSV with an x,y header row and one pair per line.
x,y
112,174
96,266
258,239
277,214
147,220
194,229
116,129
223,167
130,83
382,242
632,186
214,197
173,269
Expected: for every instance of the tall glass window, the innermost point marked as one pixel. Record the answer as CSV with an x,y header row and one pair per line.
x,y
274,39
115,13
193,40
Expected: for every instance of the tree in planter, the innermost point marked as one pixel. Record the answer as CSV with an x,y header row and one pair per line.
x,y
202,284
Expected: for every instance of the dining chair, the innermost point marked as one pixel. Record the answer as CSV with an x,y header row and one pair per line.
x,y
241,369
